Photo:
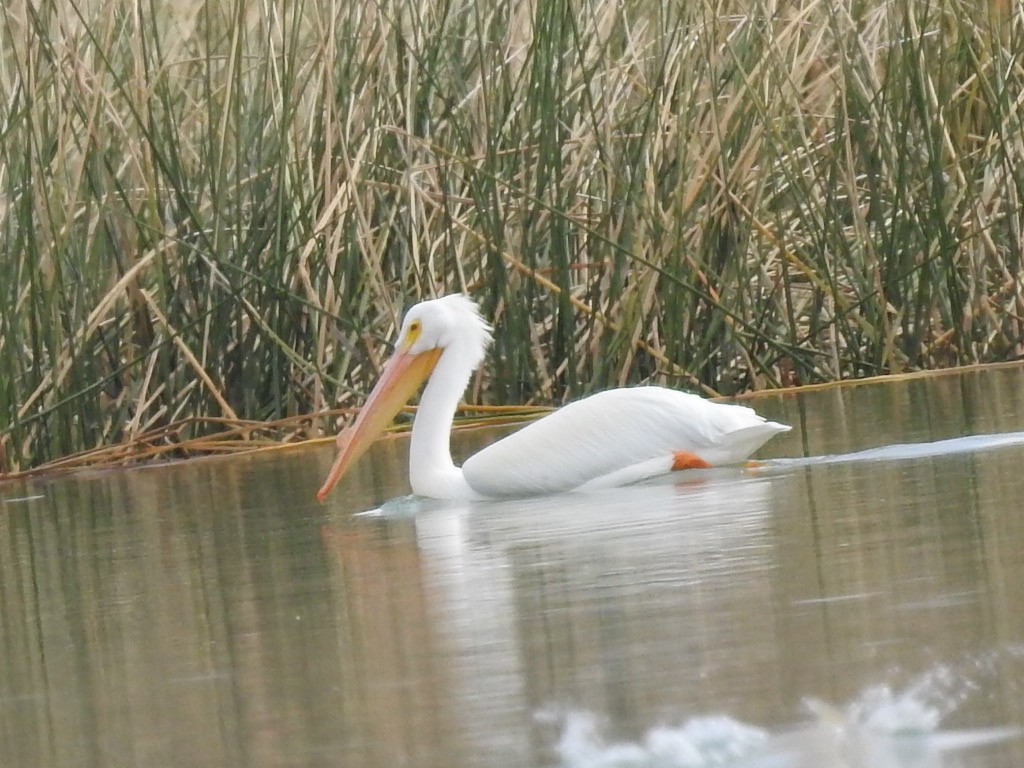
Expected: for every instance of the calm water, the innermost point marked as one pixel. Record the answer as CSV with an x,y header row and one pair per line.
x,y
864,610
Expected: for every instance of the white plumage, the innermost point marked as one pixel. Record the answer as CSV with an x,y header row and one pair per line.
x,y
610,432
611,438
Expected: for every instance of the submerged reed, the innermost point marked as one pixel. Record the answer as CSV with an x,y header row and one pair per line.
x,y
217,210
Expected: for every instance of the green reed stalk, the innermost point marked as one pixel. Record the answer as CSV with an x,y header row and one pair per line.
x,y
219,210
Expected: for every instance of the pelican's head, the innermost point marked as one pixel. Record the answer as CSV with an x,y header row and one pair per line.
x,y
428,330
451,321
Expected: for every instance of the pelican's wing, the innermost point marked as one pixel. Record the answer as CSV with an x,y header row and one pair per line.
x,y
621,434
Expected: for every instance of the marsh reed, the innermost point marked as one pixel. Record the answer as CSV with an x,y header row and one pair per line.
x,y
214,212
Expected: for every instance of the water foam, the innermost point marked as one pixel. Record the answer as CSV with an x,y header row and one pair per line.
x,y
701,742
880,728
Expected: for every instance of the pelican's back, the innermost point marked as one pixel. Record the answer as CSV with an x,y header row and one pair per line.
x,y
613,430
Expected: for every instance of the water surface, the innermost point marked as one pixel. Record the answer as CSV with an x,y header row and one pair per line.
x,y
864,610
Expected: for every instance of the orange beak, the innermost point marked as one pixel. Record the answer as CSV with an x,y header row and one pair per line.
x,y
401,379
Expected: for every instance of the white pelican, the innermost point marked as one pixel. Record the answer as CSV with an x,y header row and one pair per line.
x,y
609,439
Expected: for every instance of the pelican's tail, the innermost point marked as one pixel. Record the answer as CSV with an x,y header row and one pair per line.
x,y
738,444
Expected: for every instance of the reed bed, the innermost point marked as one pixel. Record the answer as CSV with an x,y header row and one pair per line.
x,y
214,212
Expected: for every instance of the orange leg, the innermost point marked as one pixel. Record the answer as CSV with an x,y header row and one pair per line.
x,y
687,460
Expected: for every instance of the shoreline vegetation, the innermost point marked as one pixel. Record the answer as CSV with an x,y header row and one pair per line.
x,y
212,214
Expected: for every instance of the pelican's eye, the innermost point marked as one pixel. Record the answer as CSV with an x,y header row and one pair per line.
x,y
413,334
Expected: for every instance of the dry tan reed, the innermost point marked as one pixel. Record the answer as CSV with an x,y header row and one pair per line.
x,y
218,210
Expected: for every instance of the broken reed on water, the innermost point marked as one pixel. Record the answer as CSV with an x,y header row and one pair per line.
x,y
215,212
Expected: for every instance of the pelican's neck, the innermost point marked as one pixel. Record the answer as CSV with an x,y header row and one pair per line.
x,y
431,469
